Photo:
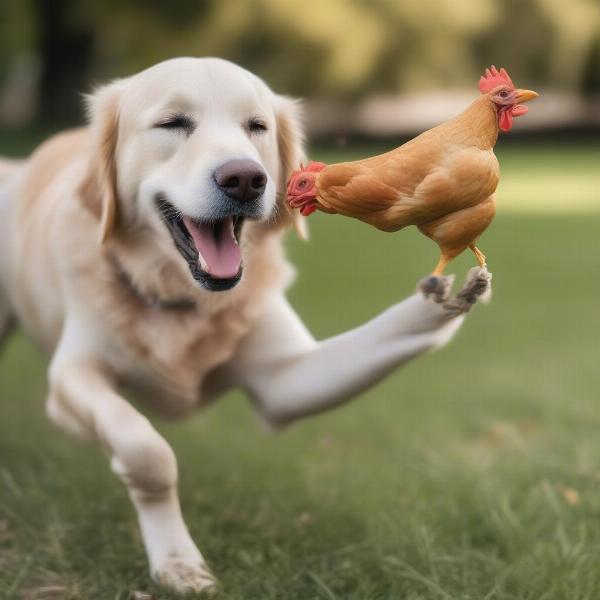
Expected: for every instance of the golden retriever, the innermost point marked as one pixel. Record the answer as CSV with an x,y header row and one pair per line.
x,y
146,250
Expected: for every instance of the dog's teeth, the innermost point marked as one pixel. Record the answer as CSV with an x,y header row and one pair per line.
x,y
203,263
231,223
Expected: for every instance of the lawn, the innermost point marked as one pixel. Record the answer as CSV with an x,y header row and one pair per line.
x,y
474,473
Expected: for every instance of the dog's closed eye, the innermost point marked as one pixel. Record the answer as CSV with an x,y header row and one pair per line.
x,y
256,125
178,122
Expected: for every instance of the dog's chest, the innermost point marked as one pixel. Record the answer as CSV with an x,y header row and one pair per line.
x,y
170,356
166,355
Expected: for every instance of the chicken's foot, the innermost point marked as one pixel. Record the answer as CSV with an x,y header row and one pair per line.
x,y
479,255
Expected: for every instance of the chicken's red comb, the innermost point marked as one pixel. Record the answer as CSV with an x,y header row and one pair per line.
x,y
492,78
312,166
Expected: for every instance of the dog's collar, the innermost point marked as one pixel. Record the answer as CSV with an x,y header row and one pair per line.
x,y
150,300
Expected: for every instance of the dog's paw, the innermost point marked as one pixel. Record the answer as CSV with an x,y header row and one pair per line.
x,y
436,287
186,575
477,286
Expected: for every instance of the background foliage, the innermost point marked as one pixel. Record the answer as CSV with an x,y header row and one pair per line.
x,y
337,48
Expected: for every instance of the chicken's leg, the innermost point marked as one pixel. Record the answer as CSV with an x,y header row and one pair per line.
x,y
442,264
479,255
457,231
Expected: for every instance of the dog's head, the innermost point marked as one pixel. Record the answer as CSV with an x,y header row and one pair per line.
x,y
196,150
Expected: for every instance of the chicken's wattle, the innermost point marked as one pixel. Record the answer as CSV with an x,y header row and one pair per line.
x,y
505,118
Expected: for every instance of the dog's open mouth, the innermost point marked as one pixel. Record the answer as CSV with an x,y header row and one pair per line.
x,y
210,248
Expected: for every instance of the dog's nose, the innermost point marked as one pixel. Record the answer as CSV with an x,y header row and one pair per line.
x,y
241,180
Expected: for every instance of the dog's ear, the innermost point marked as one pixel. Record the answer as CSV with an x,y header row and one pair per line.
x,y
99,186
290,142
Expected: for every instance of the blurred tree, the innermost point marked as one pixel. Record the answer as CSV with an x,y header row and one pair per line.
x,y
591,74
431,42
65,43
19,65
337,48
574,32
17,30
520,39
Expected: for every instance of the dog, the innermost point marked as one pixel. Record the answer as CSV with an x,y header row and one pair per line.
x,y
145,251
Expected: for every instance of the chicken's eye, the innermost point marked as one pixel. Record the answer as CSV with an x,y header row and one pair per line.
x,y
503,94
302,183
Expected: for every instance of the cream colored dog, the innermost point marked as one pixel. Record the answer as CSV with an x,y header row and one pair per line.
x,y
146,251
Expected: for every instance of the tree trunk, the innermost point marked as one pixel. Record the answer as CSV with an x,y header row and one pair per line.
x,y
65,48
591,74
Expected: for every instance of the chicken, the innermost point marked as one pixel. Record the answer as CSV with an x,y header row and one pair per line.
x,y
442,181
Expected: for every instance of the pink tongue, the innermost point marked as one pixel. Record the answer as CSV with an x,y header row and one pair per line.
x,y
506,119
220,255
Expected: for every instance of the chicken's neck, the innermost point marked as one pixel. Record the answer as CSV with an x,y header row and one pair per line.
x,y
480,120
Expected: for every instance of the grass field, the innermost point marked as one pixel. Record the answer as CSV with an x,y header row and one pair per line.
x,y
474,473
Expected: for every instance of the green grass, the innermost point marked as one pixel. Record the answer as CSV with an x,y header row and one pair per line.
x,y
474,473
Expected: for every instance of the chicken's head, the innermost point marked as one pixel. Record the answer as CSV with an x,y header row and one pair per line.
x,y
498,86
302,189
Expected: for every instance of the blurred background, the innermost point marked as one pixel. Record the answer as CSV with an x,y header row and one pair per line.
x,y
472,473
369,68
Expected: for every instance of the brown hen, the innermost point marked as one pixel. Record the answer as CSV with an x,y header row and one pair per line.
x,y
442,181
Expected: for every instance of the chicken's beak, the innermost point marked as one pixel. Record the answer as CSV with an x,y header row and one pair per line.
x,y
526,95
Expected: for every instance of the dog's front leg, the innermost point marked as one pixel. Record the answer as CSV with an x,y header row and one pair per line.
x,y
289,375
83,400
